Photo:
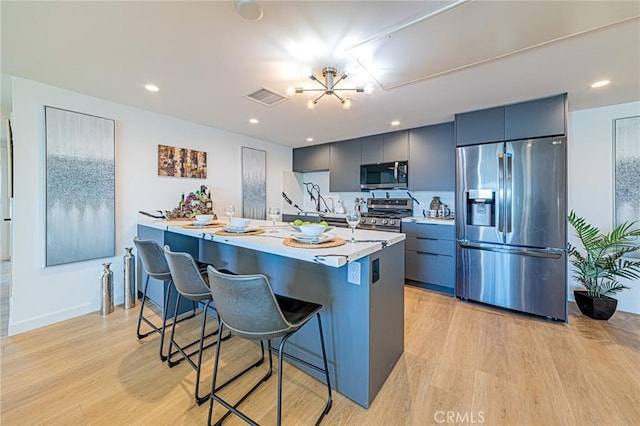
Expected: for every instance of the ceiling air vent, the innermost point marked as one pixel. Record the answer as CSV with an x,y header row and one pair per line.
x,y
266,97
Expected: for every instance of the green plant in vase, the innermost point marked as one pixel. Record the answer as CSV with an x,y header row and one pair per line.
x,y
602,264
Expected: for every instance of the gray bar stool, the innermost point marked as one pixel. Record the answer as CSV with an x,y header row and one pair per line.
x,y
155,266
248,307
190,284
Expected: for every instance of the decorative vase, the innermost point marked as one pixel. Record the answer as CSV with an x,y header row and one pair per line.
x,y
106,285
435,204
129,261
595,307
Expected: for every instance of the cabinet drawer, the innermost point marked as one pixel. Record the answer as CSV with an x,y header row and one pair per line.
x,y
430,245
430,268
429,230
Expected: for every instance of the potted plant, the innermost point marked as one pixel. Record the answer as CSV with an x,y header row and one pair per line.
x,y
602,264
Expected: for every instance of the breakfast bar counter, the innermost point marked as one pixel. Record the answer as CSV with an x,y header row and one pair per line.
x,y
359,284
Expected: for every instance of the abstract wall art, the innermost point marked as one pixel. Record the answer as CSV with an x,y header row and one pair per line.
x,y
254,183
80,186
627,168
626,144
181,162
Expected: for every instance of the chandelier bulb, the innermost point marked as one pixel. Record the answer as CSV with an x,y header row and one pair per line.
x,y
290,91
311,104
346,104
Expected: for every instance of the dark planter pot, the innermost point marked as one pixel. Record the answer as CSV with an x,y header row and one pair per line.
x,y
595,307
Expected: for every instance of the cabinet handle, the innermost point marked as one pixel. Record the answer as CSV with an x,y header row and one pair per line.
x,y
427,238
427,254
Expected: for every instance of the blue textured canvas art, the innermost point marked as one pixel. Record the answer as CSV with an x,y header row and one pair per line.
x,y
627,169
254,183
80,177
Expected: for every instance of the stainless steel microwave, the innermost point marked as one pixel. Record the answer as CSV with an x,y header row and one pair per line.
x,y
393,175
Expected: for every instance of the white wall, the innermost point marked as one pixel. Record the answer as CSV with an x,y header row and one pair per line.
x,y
44,295
591,178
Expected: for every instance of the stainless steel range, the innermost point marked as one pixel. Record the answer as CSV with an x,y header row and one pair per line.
x,y
385,214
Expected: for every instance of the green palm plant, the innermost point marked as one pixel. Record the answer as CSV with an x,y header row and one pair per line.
x,y
599,269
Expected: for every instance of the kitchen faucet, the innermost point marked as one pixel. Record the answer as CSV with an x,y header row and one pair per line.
x,y
333,207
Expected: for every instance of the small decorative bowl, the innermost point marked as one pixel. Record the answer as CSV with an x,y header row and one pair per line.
x,y
312,230
240,222
204,218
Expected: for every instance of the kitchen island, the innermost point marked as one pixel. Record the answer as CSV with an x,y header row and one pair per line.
x,y
360,285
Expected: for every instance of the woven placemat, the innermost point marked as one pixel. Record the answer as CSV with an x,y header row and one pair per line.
x,y
194,226
239,234
335,243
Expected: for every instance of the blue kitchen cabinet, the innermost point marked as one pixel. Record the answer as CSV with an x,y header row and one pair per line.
x,y
430,256
486,125
344,170
536,119
432,163
313,158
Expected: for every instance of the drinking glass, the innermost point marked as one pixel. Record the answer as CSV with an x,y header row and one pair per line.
x,y
274,214
229,211
353,219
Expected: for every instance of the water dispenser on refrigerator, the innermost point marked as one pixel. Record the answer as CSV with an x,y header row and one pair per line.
x,y
481,206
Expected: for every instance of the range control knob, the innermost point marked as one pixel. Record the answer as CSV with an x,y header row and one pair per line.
x,y
392,222
385,221
363,220
373,221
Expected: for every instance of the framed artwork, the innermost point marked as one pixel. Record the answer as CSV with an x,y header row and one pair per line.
x,y
626,144
254,183
181,162
80,175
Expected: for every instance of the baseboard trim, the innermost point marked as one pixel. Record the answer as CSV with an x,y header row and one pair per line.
x,y
47,319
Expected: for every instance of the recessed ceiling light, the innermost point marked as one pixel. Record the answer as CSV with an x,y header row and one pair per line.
x,y
250,10
600,83
309,139
395,123
151,87
254,121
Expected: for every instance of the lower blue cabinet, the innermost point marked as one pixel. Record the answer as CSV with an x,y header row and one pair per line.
x,y
430,256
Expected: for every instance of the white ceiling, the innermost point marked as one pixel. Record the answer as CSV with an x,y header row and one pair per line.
x,y
205,58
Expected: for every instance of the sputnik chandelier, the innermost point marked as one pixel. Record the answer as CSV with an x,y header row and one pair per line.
x,y
329,87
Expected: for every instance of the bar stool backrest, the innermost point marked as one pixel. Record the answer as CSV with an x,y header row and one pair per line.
x,y
153,260
247,305
186,275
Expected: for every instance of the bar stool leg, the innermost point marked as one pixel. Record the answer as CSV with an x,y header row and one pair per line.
x,y
140,316
326,371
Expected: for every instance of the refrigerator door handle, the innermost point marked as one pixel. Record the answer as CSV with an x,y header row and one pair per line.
x,y
547,253
508,192
500,198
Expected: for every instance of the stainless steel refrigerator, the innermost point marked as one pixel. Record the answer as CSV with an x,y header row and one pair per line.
x,y
511,225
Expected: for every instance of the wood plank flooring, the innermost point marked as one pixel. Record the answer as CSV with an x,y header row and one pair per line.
x,y
463,364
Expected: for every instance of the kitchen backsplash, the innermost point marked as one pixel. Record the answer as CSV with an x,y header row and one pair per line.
x,y
293,186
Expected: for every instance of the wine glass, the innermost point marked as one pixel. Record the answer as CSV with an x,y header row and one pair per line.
x,y
274,214
229,211
353,219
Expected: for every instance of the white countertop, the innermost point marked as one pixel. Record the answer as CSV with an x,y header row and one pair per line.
x,y
272,242
431,221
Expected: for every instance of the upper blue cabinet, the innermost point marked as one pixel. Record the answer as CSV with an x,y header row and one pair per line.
x,y
536,119
486,125
313,158
525,120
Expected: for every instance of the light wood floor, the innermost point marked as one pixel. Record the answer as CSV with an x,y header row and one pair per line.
x,y
463,364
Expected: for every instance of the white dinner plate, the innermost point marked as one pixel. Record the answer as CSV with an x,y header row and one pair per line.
x,y
297,228
238,229
324,238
